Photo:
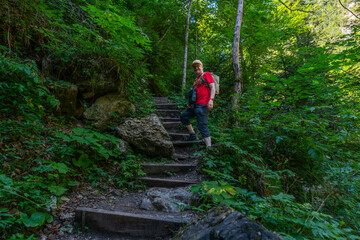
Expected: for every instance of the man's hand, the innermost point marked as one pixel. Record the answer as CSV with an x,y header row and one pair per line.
x,y
210,105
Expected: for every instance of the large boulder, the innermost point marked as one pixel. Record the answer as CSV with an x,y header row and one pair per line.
x,y
148,135
69,104
223,222
164,199
107,110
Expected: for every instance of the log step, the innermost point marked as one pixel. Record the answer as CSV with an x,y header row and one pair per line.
x,y
169,119
166,106
180,156
178,136
151,168
167,110
163,182
185,143
129,224
160,100
168,125
171,113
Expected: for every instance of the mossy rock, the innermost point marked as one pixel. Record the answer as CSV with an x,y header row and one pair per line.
x,y
107,110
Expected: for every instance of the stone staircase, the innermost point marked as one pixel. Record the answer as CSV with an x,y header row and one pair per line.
x,y
127,219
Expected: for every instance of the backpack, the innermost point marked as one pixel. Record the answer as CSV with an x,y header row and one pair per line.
x,y
216,82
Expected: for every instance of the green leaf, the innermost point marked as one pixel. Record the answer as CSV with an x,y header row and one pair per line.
x,y
196,188
36,219
6,180
57,190
61,167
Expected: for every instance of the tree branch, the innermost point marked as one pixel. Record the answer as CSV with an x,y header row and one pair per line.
x,y
171,22
295,9
348,9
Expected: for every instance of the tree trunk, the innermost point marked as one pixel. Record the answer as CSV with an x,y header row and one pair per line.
x,y
196,38
235,56
186,49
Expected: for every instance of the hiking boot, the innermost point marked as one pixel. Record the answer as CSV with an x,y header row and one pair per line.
x,y
192,137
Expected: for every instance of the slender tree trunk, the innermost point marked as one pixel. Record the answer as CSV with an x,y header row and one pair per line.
x,y
235,56
196,38
186,49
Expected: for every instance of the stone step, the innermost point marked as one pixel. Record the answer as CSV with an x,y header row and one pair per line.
x,y
160,100
166,106
185,143
169,125
129,224
164,182
152,168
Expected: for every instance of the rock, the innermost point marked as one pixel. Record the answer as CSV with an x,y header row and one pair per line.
x,y
51,237
123,146
163,199
148,135
88,95
107,110
67,229
69,104
223,222
66,216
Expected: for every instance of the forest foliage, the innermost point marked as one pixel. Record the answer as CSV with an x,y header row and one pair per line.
x,y
287,157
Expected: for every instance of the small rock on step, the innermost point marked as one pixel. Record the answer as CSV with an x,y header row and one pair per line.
x,y
164,199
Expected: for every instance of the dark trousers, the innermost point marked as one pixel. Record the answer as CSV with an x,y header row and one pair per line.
x,y
201,112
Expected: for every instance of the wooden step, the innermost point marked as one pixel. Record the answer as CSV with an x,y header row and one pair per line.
x,y
163,182
167,110
160,100
185,143
178,136
129,224
180,156
166,106
169,119
168,125
168,113
152,168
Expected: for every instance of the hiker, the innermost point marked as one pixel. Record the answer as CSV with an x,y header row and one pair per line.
x,y
204,84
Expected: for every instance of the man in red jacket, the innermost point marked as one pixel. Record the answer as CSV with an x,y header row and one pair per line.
x,y
205,87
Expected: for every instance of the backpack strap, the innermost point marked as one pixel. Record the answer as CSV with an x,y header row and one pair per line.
x,y
204,82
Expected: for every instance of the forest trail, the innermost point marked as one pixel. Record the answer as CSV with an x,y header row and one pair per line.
x,y
122,215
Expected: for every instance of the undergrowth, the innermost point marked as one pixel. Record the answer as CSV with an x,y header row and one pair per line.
x,y
41,158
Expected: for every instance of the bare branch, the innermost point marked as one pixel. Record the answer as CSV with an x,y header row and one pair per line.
x,y
348,9
295,9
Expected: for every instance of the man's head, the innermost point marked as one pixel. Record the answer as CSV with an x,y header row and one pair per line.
x,y
198,67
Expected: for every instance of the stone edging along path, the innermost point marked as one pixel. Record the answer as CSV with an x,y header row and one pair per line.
x,y
153,214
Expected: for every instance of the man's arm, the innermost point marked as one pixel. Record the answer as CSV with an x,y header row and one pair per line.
x,y
212,95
